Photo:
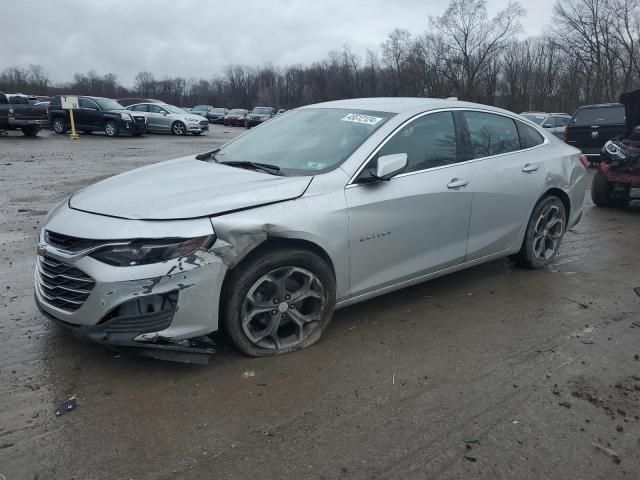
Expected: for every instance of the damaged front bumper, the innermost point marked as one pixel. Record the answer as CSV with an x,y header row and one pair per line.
x,y
157,310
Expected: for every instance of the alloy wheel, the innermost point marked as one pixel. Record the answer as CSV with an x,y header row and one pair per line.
x,y
548,232
58,125
283,308
110,129
178,128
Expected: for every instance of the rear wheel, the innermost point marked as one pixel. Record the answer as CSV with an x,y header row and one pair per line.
x,y
59,126
279,302
601,190
544,233
111,129
30,131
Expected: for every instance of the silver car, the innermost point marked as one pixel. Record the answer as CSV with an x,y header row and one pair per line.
x,y
165,118
555,123
326,206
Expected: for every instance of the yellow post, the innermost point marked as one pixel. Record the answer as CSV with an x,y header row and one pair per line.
x,y
73,135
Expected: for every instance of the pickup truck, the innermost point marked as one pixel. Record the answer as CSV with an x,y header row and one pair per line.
x,y
17,113
594,125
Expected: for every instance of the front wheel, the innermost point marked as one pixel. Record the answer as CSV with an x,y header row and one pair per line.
x,y
179,128
279,302
544,233
601,190
111,129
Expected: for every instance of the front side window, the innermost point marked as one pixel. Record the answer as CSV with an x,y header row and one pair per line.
x,y
562,121
86,103
491,134
429,141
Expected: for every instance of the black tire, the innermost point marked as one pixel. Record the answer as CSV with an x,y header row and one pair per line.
x,y
59,126
197,133
137,134
243,278
526,257
111,128
178,128
30,131
601,190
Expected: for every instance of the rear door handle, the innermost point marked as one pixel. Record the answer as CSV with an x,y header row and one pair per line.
x,y
529,167
457,183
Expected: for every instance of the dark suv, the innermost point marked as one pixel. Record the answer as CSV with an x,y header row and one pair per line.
x,y
97,114
594,125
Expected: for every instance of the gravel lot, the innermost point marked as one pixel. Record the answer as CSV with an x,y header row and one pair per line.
x,y
495,372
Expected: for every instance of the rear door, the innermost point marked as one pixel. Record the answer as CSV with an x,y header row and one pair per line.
x,y
507,175
591,127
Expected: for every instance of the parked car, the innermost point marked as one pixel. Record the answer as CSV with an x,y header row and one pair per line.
x,y
281,111
617,180
165,118
236,117
555,123
216,115
259,115
97,114
594,125
202,110
16,113
125,102
323,207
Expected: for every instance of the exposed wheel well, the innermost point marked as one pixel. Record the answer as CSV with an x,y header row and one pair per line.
x,y
556,192
270,244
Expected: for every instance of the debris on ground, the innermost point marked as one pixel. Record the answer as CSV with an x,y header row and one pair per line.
x,y
637,290
249,374
67,406
470,458
607,451
565,404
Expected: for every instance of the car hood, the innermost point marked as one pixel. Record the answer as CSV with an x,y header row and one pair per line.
x,y
185,188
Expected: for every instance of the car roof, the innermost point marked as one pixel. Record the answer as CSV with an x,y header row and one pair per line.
x,y
402,104
601,105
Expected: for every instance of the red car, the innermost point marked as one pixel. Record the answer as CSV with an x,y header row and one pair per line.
x,y
236,117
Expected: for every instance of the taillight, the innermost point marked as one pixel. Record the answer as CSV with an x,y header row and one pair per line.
x,y
584,160
48,108
565,135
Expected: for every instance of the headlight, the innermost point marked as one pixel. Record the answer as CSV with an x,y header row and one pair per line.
x,y
143,252
614,151
126,117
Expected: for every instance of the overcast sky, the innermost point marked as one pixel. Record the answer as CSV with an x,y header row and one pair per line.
x,y
197,38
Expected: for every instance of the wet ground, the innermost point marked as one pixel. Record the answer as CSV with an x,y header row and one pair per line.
x,y
495,372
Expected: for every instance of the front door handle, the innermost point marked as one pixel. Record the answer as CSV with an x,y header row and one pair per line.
x,y
457,183
529,167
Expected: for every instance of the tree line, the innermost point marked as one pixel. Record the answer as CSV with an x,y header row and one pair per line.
x,y
589,53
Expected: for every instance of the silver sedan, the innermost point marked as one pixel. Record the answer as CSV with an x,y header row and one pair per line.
x,y
326,206
165,118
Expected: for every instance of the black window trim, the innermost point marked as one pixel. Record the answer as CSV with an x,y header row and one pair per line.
x,y
457,112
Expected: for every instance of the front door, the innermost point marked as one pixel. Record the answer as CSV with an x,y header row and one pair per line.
x,y
87,116
417,222
159,119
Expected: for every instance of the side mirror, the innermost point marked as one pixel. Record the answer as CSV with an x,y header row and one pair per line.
x,y
390,165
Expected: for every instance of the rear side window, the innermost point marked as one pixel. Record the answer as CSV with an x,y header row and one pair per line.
x,y
598,116
3,99
528,136
491,134
139,108
429,141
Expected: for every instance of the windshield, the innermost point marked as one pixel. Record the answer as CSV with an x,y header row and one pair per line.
x,y
535,118
108,104
306,141
262,111
172,109
599,116
237,111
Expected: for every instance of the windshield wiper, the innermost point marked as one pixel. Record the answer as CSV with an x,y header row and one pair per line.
x,y
265,167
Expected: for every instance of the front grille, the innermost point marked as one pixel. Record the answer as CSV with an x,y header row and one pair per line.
x,y
70,244
138,119
63,285
204,123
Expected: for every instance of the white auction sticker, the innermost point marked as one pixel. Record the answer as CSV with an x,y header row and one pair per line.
x,y
359,118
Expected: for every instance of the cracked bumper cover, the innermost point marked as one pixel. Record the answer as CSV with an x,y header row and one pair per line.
x,y
197,279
